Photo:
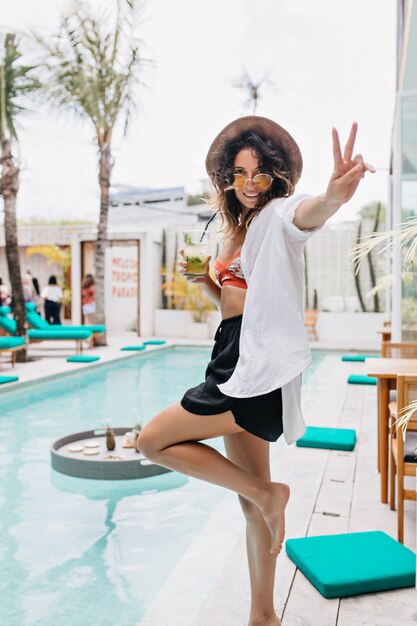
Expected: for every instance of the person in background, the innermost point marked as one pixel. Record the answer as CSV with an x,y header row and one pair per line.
x,y
28,288
35,283
5,298
36,291
52,295
88,299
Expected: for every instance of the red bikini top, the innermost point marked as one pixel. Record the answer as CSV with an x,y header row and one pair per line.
x,y
231,272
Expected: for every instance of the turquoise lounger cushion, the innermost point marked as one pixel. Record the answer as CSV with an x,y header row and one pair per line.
x,y
53,334
8,379
8,324
93,328
353,563
329,438
133,348
359,379
359,357
11,342
5,310
38,323
154,342
82,358
96,328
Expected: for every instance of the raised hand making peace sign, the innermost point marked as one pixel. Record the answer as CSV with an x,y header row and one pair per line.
x,y
348,171
343,183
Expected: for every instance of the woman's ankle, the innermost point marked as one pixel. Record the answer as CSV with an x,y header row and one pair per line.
x,y
263,617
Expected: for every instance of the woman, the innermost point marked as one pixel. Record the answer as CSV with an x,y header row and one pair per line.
x,y
28,289
88,303
252,389
52,296
88,299
5,298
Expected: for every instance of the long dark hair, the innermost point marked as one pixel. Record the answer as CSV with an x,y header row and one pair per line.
x,y
270,161
88,281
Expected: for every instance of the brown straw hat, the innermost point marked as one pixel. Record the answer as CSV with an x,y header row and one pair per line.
x,y
264,128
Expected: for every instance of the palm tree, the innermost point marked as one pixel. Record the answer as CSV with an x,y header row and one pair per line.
x,y
253,89
16,80
91,70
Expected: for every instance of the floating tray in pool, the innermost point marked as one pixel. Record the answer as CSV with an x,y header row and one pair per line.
x,y
68,457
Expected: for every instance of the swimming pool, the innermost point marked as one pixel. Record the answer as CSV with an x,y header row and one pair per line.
x,y
87,552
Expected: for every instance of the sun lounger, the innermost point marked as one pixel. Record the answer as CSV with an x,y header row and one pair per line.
x,y
38,323
12,345
65,335
34,335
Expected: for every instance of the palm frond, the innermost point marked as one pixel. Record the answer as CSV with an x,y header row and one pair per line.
x,y
406,414
383,283
16,80
387,281
92,64
404,235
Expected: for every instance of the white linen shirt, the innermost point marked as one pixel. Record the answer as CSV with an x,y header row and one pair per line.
x,y
273,346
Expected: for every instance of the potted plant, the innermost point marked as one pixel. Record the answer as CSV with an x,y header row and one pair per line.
x,y
110,438
137,427
190,297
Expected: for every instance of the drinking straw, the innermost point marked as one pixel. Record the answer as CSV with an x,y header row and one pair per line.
x,y
206,226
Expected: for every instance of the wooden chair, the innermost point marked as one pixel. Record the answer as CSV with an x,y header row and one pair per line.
x,y
403,455
12,353
402,350
385,332
310,321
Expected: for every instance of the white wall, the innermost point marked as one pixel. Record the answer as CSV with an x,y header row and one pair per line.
x,y
350,329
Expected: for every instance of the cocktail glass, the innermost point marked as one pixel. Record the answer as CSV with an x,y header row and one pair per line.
x,y
196,251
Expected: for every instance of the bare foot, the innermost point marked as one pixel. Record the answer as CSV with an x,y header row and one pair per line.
x,y
274,514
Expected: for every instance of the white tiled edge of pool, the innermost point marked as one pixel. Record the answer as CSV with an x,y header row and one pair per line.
x,y
51,359
59,368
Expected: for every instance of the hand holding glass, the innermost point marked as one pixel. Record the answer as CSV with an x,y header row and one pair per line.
x,y
196,251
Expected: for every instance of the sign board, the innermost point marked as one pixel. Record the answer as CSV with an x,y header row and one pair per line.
x,y
122,286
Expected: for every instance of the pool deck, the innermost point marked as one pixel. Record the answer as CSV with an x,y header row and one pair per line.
x,y
332,492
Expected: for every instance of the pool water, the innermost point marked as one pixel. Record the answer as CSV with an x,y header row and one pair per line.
x,y
86,552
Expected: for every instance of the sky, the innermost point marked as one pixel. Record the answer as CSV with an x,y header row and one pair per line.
x,y
328,62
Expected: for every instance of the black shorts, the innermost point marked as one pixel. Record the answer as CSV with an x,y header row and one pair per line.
x,y
259,415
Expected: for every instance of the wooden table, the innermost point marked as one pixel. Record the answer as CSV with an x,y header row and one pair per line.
x,y
385,333
386,370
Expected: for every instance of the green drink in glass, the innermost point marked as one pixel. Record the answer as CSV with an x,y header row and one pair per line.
x,y
196,251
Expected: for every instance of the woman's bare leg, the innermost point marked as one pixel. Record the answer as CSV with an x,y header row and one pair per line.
x,y
251,454
172,438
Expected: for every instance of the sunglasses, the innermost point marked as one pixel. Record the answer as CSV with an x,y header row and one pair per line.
x,y
261,181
